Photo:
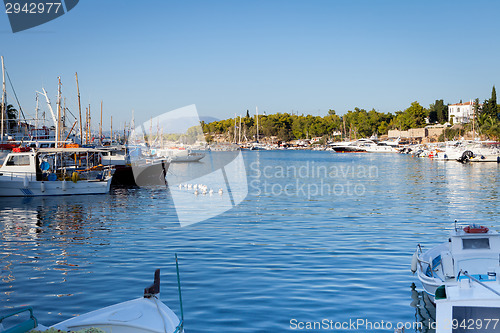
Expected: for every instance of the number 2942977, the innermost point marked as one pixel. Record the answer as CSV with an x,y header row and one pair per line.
x,y
33,7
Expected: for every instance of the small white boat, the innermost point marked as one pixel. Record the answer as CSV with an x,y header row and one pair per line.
x,y
37,173
142,315
473,249
461,277
180,155
376,147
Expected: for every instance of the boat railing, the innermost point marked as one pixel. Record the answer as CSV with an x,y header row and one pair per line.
x,y
25,326
420,260
19,174
63,173
462,272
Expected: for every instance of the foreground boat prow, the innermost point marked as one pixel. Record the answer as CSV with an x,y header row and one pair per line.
x,y
142,315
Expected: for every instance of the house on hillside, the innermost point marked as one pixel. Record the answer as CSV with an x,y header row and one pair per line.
x,y
461,113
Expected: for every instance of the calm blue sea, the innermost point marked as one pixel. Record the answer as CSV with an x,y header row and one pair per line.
x,y
320,236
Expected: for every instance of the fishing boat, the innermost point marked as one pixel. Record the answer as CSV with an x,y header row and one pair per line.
x,y
53,171
473,249
461,277
146,314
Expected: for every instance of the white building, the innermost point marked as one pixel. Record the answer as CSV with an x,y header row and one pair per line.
x,y
461,113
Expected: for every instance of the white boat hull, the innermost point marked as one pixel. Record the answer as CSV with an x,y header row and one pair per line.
x,y
25,188
142,315
193,157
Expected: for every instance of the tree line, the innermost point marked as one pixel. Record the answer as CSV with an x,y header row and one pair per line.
x,y
355,123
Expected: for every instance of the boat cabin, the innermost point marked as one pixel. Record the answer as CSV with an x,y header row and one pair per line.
x,y
20,165
473,249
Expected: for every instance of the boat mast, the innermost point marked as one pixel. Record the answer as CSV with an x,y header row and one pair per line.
x,y
58,123
79,109
4,100
257,114
473,116
89,134
239,138
64,128
36,114
50,106
235,128
111,134
132,125
100,128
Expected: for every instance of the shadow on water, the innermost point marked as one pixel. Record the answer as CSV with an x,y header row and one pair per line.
x,y
425,311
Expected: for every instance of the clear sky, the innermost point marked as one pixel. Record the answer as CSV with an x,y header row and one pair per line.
x,y
305,56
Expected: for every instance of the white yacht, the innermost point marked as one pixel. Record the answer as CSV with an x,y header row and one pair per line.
x,y
346,147
373,147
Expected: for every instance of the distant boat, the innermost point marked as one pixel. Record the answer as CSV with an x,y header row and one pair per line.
x,y
373,147
49,172
179,155
346,147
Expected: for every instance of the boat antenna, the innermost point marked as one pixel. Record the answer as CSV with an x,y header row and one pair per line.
x,y
4,101
179,287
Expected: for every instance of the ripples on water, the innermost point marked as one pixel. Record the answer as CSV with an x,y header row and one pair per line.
x,y
277,256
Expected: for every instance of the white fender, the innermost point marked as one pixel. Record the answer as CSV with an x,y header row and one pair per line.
x,y
26,182
64,185
414,262
42,186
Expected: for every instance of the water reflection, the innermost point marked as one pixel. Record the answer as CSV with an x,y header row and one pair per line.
x,y
425,310
28,225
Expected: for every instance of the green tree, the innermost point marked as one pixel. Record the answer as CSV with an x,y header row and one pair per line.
x,y
438,112
12,115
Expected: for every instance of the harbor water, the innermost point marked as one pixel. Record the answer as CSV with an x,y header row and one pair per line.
x,y
320,237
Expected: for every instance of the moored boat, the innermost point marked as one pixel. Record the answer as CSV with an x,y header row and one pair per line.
x,y
142,315
473,249
52,172
180,155
132,169
461,277
346,147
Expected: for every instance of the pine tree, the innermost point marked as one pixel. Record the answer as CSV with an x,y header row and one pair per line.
x,y
493,103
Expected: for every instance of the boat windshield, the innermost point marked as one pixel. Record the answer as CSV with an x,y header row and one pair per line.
x,y
18,160
476,243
